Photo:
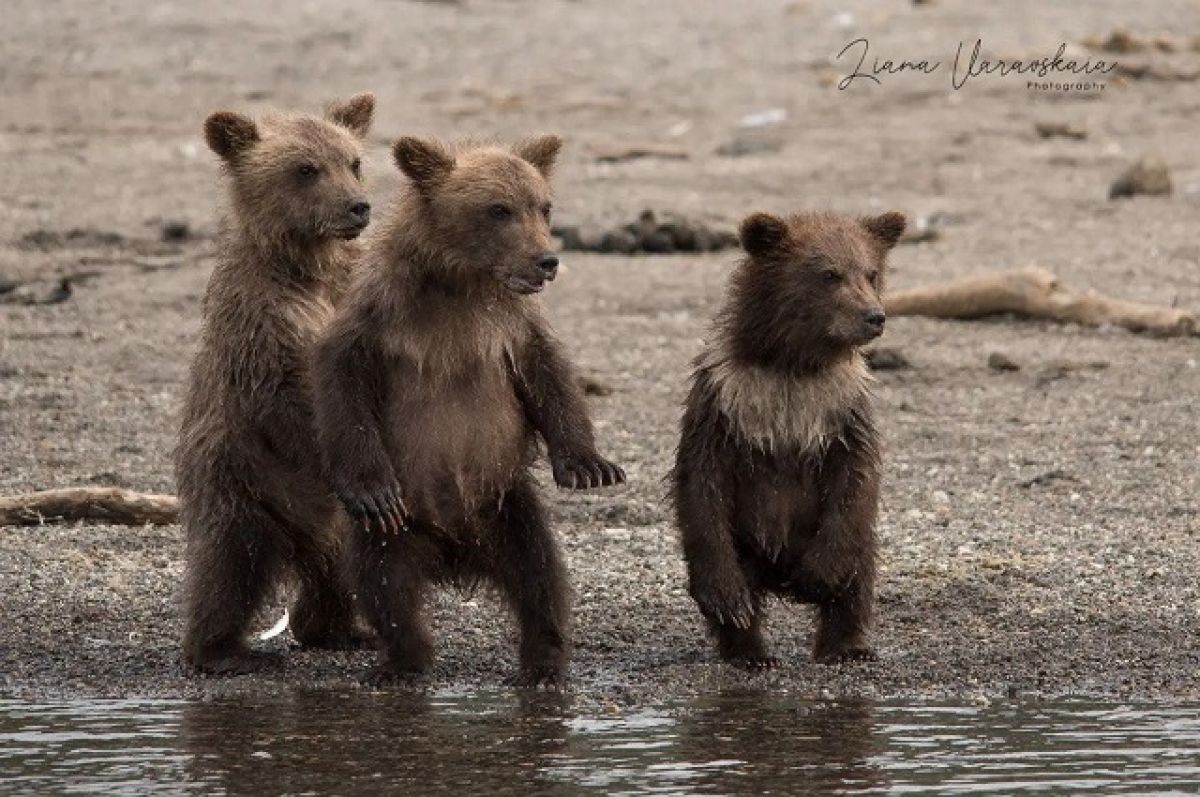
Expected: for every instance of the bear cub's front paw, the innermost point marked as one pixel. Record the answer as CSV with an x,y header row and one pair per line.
x,y
583,472
378,506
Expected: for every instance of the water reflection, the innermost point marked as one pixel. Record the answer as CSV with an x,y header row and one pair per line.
x,y
358,743
501,743
751,743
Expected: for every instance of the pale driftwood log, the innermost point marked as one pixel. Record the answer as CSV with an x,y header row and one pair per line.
x,y
103,504
1035,292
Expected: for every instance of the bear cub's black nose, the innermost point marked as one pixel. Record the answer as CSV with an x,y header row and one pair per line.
x,y
875,317
548,264
362,210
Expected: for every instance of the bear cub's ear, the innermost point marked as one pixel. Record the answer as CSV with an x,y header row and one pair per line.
x,y
762,234
230,134
354,114
887,228
426,163
542,152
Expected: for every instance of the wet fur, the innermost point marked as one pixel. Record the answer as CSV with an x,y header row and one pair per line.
x,y
254,505
434,382
777,474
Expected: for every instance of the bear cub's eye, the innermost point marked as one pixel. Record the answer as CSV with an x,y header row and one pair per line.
x,y
306,170
546,208
500,212
831,276
356,167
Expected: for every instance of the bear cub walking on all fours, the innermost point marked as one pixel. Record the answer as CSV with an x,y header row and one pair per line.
x,y
253,502
432,383
776,481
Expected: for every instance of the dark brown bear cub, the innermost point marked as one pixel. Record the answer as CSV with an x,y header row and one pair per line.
x,y
434,381
253,502
776,481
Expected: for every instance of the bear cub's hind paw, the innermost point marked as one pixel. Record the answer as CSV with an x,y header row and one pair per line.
x,y
241,661
539,676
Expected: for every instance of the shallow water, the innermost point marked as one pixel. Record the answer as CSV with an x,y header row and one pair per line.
x,y
507,743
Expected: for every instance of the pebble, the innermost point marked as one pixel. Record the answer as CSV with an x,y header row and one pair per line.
x,y
174,231
1148,176
1060,130
998,361
884,358
741,145
765,118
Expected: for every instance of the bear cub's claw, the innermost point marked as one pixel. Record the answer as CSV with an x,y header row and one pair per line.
x,y
379,507
726,605
540,676
756,663
846,654
586,472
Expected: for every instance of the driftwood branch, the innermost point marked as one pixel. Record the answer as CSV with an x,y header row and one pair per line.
x,y
1035,293
104,504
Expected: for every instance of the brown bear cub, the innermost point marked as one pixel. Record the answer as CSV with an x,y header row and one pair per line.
x,y
253,502
776,480
433,382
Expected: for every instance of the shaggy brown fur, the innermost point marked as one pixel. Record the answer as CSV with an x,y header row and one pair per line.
x,y
253,503
776,480
432,382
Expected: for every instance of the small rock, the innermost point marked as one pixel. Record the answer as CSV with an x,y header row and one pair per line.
x,y
998,361
594,387
27,295
884,358
766,118
619,241
60,294
1046,477
76,238
1148,176
1052,373
923,229
740,146
658,242
683,234
723,239
1060,130
647,234
584,238
1124,42
1119,41
175,231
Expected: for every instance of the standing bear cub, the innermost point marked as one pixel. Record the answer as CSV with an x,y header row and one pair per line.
x,y
254,504
433,381
776,480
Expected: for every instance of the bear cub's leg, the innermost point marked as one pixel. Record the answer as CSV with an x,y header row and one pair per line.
x,y
322,616
529,570
743,646
391,582
842,625
232,572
